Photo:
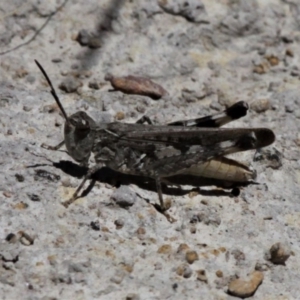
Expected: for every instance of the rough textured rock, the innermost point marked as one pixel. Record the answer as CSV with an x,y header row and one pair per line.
x,y
206,55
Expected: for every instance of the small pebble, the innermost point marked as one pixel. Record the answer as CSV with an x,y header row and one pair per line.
x,y
64,73
94,85
184,270
104,229
66,182
279,253
25,238
52,260
201,276
287,39
295,73
262,267
273,60
83,37
194,219
11,238
20,177
165,249
191,96
34,197
193,194
50,108
62,278
141,230
193,230
246,288
183,248
219,273
260,69
124,197
95,42
119,116
9,132
140,109
289,52
118,277
56,60
191,256
20,205
260,105
27,108
70,85
95,225
168,204
222,249
119,223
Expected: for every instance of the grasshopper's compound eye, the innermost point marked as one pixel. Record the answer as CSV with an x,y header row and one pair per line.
x,y
80,120
82,123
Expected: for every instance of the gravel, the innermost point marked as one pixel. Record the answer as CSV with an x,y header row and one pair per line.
x,y
112,243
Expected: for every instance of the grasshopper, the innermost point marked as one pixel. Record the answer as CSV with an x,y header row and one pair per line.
x,y
159,151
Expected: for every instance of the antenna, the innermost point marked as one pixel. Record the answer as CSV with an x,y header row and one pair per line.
x,y
52,91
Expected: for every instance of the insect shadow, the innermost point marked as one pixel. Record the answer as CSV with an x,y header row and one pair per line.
x,y
106,175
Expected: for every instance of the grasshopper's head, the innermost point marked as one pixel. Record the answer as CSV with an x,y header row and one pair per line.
x,y
79,129
79,136
81,121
